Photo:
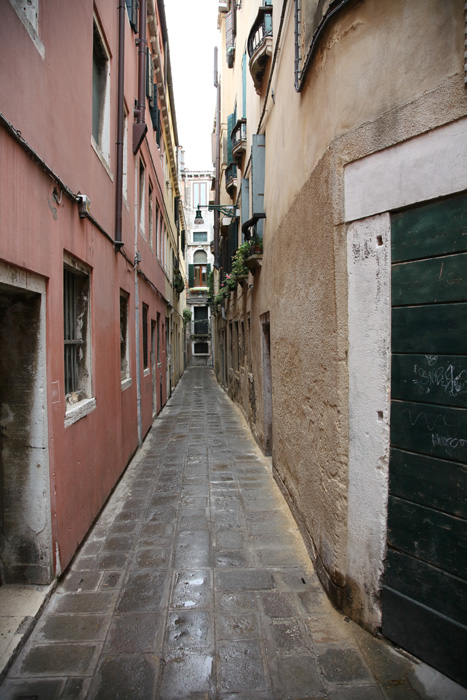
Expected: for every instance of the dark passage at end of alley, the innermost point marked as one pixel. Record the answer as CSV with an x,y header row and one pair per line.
x,y
195,583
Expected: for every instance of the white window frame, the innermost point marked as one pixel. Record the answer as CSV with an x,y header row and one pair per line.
x,y
102,145
81,402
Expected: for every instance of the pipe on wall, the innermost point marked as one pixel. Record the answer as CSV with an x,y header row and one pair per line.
x,y
120,115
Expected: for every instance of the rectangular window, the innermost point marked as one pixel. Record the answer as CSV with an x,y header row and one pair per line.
x,y
200,236
145,337
132,9
201,348
235,346
100,94
156,234
242,344
231,344
201,275
77,352
125,155
141,199
124,340
151,217
199,193
158,348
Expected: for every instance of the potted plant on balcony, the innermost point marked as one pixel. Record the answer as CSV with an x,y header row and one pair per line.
x,y
178,281
239,269
256,245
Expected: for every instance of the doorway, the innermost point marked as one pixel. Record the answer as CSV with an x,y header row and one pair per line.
x,y
267,382
425,580
25,537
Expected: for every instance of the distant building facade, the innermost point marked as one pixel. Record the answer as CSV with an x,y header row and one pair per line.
x,y
91,264
341,138
196,190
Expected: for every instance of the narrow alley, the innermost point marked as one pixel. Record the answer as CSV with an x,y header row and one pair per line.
x,y
194,583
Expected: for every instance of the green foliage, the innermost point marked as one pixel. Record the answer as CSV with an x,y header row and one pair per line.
x,y
178,281
186,316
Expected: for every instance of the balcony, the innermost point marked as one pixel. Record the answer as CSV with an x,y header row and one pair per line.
x,y
260,45
231,177
239,140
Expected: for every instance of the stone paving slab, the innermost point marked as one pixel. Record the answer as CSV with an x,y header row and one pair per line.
x,y
194,584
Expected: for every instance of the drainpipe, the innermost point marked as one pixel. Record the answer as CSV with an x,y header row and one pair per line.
x,y
120,108
140,127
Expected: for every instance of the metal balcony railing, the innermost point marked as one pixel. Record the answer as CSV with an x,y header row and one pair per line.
x,y
230,176
261,29
238,137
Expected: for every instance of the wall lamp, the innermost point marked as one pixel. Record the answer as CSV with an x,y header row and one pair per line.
x,y
226,209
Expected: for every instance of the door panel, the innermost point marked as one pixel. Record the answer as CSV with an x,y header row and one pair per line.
x,y
425,582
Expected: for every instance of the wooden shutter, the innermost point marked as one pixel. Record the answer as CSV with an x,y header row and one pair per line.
x,y
149,78
132,9
245,193
191,276
258,158
230,126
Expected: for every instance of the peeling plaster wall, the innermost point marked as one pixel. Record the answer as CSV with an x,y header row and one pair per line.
x,y
414,171
26,534
329,308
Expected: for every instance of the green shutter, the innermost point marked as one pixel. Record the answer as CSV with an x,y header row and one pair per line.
x,y
208,270
149,78
132,9
245,210
230,126
191,276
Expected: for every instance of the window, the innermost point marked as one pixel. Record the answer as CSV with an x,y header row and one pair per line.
x,y
145,337
198,272
199,193
100,94
141,199
200,320
77,352
132,9
28,13
124,340
200,236
158,346
125,154
157,234
242,344
201,348
235,346
151,217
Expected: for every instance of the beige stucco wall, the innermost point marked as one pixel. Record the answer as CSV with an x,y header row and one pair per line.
x,y
383,73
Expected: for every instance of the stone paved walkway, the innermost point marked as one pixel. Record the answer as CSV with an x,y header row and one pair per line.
x,y
194,583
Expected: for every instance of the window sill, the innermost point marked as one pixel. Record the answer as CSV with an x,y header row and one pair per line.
x,y
79,410
126,383
147,371
99,153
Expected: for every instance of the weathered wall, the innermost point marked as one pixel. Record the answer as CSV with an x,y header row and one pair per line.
x,y
363,94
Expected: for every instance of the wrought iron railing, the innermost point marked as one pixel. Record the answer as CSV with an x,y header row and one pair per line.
x,y
230,175
261,29
238,137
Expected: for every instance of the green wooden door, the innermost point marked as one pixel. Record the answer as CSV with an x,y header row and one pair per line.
x,y
425,581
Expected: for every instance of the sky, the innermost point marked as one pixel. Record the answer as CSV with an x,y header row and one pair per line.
x,y
192,28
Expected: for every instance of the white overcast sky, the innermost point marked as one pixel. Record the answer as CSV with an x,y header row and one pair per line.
x,y
192,27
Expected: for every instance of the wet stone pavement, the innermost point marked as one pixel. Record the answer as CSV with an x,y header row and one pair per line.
x,y
194,584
